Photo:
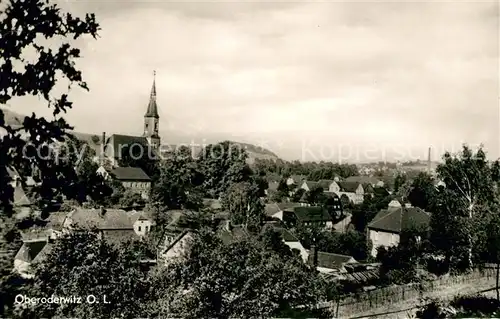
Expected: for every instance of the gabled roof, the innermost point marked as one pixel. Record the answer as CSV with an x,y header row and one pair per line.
x,y
363,179
271,209
348,187
112,219
29,251
288,205
236,233
325,183
394,219
129,174
20,198
185,233
56,220
120,142
332,261
311,214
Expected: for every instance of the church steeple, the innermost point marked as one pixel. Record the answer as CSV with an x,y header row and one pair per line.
x,y
151,118
152,110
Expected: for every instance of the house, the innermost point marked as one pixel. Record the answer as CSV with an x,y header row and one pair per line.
x,y
272,188
116,225
295,179
329,262
308,185
133,178
353,190
385,229
303,200
325,184
275,210
334,205
291,241
174,248
21,203
373,181
32,251
308,216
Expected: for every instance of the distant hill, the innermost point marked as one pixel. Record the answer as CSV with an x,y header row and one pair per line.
x,y
254,152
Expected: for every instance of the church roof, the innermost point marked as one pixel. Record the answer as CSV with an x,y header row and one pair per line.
x,y
152,110
130,174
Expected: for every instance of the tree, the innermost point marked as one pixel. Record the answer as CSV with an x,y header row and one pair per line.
x,y
423,192
130,198
22,25
469,191
399,181
223,164
81,264
179,182
244,205
243,279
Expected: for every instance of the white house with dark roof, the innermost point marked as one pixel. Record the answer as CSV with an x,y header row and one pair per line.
x,y
331,263
385,229
116,225
307,216
353,190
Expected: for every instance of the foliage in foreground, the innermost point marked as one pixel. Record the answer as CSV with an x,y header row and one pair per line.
x,y
257,276
460,307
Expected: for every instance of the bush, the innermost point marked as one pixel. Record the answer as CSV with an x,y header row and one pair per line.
x,y
461,307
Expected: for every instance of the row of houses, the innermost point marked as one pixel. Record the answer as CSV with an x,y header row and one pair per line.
x,y
352,189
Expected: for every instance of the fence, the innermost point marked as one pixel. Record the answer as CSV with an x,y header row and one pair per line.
x,y
367,301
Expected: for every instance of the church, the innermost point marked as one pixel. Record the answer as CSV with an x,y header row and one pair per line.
x,y
113,146
110,149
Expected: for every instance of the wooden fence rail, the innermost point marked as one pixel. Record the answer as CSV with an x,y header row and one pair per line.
x,y
369,300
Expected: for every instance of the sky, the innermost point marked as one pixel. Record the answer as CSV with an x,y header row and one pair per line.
x,y
341,81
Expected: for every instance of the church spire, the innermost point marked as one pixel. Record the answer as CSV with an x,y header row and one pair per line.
x,y
152,110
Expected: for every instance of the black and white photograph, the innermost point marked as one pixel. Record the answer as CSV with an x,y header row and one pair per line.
x,y
249,159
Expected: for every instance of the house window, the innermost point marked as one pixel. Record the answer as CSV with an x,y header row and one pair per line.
x,y
139,228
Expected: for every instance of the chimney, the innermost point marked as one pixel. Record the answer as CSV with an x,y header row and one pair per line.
x,y
313,257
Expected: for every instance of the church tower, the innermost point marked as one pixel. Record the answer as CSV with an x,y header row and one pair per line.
x,y
152,119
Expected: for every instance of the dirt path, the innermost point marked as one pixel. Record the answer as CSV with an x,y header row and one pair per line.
x,y
402,309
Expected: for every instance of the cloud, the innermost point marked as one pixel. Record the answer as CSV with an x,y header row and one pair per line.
x,y
340,73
